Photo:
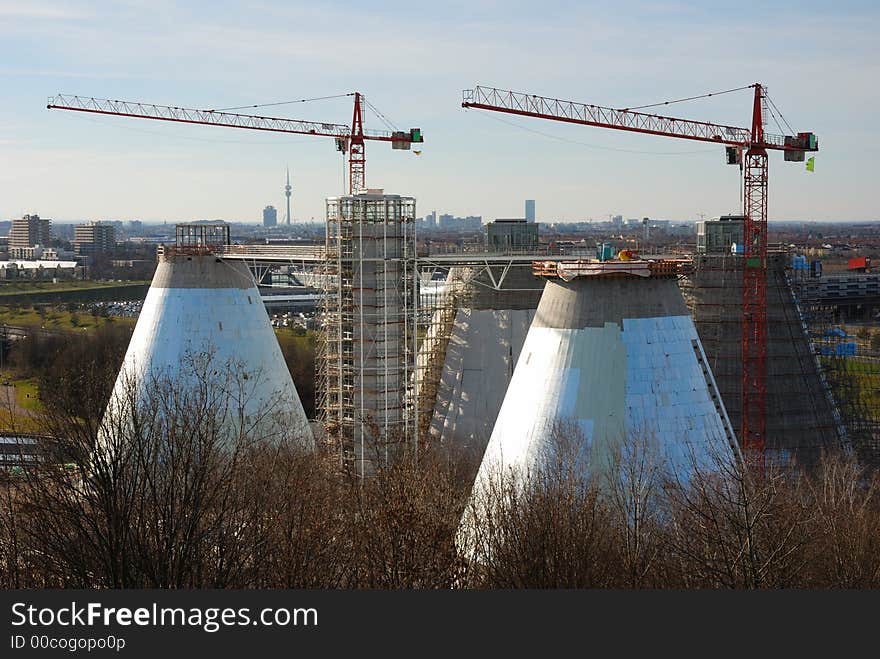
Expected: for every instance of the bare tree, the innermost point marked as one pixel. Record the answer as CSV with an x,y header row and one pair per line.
x,y
542,526
845,500
737,527
634,488
156,498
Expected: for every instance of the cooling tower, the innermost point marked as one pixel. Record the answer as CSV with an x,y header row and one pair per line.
x,y
612,356
203,321
486,329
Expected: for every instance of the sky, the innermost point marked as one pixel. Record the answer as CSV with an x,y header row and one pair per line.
x,y
820,62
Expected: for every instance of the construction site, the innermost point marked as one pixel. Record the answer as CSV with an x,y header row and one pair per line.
x,y
418,348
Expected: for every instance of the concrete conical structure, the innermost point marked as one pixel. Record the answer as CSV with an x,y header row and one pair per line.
x,y
611,356
486,332
203,318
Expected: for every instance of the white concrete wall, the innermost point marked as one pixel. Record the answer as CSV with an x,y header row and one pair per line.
x,y
212,308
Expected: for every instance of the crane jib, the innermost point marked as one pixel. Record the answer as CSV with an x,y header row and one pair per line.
x,y
530,105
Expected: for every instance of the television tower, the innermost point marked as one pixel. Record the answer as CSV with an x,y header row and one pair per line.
x,y
287,189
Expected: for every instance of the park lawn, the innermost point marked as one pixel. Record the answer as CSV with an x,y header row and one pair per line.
x,y
286,336
27,395
12,422
37,287
55,319
864,375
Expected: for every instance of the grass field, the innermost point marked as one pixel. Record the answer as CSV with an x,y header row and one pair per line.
x,y
18,403
288,337
27,395
12,422
56,319
38,287
856,384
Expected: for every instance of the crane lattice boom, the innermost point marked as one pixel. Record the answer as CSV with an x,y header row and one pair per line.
x,y
347,136
530,105
207,117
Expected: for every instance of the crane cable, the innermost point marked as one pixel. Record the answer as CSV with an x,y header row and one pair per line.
x,y
266,105
775,119
385,120
689,98
592,146
784,120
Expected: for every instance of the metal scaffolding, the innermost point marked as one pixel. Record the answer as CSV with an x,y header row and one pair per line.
x,y
439,301
802,419
367,349
846,346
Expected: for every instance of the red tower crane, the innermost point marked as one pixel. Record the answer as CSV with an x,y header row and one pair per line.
x,y
351,139
755,142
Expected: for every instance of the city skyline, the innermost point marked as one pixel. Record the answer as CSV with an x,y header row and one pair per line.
x,y
817,70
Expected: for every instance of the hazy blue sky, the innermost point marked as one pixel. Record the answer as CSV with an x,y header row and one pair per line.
x,y
820,61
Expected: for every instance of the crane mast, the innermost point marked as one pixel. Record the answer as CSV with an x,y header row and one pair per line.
x,y
756,143
357,157
754,292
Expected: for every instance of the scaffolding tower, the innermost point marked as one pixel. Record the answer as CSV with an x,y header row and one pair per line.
x,y
367,389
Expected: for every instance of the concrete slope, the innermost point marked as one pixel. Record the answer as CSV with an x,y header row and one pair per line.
x,y
203,319
607,362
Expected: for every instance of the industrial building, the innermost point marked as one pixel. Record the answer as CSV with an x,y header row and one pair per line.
x,y
482,344
478,329
471,329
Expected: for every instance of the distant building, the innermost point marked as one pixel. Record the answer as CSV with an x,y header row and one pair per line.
x,y
39,269
27,233
270,216
287,189
505,235
473,222
94,238
35,253
716,236
530,211
448,222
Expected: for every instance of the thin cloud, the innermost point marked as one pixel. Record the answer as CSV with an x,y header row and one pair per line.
x,y
40,11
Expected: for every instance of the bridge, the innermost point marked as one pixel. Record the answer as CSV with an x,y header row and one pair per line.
x,y
262,258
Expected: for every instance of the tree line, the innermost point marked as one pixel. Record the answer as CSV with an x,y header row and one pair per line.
x,y
186,499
